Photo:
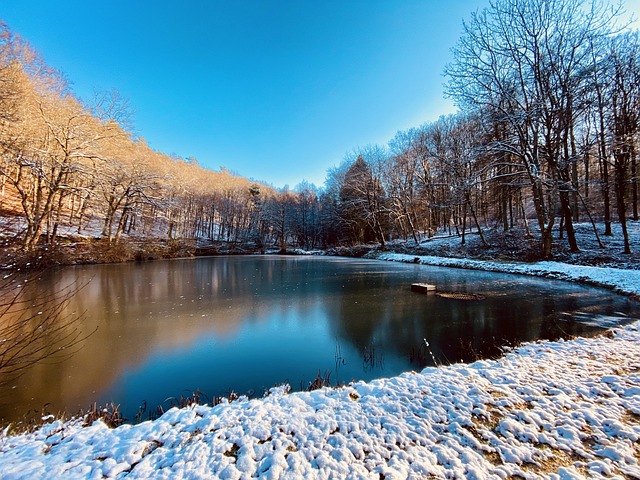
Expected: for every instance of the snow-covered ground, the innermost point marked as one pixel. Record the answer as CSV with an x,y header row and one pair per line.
x,y
568,409
623,281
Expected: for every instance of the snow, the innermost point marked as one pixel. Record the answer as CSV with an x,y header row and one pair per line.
x,y
565,409
624,281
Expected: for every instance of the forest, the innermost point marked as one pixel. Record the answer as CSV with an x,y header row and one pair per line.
x,y
548,97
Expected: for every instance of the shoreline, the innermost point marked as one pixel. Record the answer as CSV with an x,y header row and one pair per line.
x,y
564,409
619,280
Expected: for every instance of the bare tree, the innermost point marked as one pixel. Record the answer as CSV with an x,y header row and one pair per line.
x,y
112,106
280,214
522,60
307,223
624,117
463,163
400,177
363,202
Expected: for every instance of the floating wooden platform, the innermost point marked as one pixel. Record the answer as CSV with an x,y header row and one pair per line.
x,y
422,287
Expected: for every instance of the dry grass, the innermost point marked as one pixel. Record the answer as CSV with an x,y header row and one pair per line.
x,y
548,461
554,459
109,414
319,382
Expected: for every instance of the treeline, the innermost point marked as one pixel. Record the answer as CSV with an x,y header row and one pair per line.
x,y
73,168
549,99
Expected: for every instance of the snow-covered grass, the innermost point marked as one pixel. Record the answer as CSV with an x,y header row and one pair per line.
x,y
567,409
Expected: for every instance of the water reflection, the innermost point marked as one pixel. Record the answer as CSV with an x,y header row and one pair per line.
x,y
247,323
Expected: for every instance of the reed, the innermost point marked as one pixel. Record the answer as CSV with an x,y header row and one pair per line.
x,y
371,357
319,382
109,414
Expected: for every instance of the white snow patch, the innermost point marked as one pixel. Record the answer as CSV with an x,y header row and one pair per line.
x,y
620,280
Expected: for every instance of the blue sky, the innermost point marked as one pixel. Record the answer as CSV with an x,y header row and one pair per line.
x,y
278,91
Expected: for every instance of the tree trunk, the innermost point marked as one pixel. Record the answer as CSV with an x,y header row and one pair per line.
x,y
605,180
565,206
547,243
593,223
574,181
411,226
602,155
620,183
464,224
524,216
475,219
504,208
634,183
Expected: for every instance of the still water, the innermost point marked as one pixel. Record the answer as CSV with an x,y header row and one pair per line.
x,y
244,324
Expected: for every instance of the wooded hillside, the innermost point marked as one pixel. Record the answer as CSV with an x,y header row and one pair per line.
x,y
549,98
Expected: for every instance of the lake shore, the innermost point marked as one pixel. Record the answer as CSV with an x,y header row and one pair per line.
x,y
620,280
566,409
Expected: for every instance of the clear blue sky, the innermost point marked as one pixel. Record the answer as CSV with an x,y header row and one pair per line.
x,y
274,90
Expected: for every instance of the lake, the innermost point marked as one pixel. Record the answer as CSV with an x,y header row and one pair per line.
x,y
243,324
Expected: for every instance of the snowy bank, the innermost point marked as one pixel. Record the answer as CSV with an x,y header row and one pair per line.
x,y
623,281
567,409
